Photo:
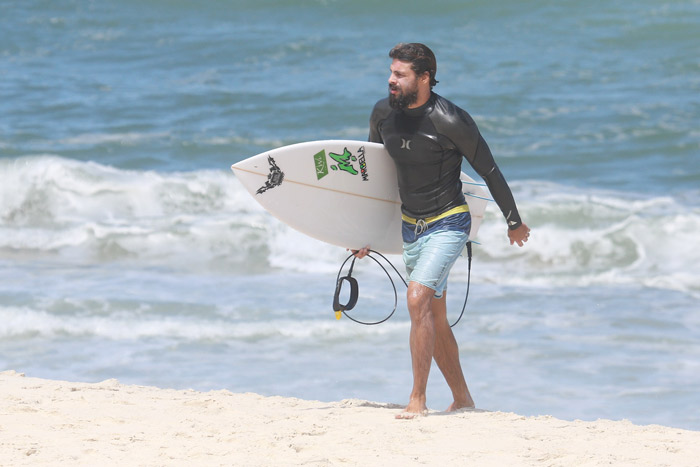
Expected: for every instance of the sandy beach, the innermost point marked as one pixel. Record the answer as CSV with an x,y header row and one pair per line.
x,y
46,422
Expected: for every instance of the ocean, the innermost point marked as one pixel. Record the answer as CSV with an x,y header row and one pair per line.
x,y
129,250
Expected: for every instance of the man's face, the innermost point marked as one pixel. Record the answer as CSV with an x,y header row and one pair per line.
x,y
403,85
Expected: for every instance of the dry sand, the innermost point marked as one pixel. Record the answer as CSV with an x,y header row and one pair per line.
x,y
45,422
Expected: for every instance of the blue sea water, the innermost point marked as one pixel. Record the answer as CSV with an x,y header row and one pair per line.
x,y
129,250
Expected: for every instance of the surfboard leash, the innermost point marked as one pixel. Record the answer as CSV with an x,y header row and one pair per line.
x,y
342,309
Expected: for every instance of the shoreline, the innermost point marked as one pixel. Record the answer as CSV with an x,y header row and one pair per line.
x,y
45,422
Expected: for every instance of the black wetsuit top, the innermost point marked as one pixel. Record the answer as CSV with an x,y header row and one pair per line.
x,y
427,144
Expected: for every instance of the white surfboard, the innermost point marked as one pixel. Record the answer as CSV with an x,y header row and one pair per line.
x,y
339,191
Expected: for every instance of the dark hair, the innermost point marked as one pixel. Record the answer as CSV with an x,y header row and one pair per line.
x,y
420,57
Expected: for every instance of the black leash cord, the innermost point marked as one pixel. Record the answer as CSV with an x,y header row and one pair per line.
x,y
469,281
354,287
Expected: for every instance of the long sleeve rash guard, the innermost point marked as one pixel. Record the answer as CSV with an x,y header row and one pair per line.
x,y
427,145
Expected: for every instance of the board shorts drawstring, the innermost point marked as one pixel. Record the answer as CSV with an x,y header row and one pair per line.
x,y
457,218
421,226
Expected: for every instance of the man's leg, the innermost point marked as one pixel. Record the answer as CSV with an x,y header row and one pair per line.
x,y
422,340
446,356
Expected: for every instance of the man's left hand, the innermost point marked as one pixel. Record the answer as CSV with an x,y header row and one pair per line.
x,y
519,235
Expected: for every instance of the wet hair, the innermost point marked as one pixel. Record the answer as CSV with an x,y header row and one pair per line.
x,y
420,57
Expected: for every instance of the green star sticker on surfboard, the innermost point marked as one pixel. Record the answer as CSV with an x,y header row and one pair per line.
x,y
343,161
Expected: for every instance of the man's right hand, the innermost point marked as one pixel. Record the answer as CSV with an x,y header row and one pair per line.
x,y
359,254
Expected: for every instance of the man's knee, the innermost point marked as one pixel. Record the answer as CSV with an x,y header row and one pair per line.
x,y
419,298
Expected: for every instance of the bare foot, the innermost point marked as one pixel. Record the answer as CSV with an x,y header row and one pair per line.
x,y
406,415
458,406
415,408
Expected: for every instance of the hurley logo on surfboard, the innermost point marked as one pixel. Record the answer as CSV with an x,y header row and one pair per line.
x,y
343,162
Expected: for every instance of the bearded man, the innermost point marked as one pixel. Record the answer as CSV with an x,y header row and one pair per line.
x,y
427,136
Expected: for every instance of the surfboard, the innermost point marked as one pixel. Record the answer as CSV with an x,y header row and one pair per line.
x,y
341,192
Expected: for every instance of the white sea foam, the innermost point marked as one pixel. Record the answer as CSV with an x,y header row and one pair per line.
x,y
108,320
130,138
87,212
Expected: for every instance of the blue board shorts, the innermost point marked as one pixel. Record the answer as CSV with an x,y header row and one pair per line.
x,y
430,252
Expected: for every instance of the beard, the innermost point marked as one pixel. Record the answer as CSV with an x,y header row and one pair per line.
x,y
402,100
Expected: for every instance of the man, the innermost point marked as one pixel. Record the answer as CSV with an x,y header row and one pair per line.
x,y
426,135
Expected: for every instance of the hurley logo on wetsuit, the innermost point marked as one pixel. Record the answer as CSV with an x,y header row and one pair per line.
x,y
406,144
